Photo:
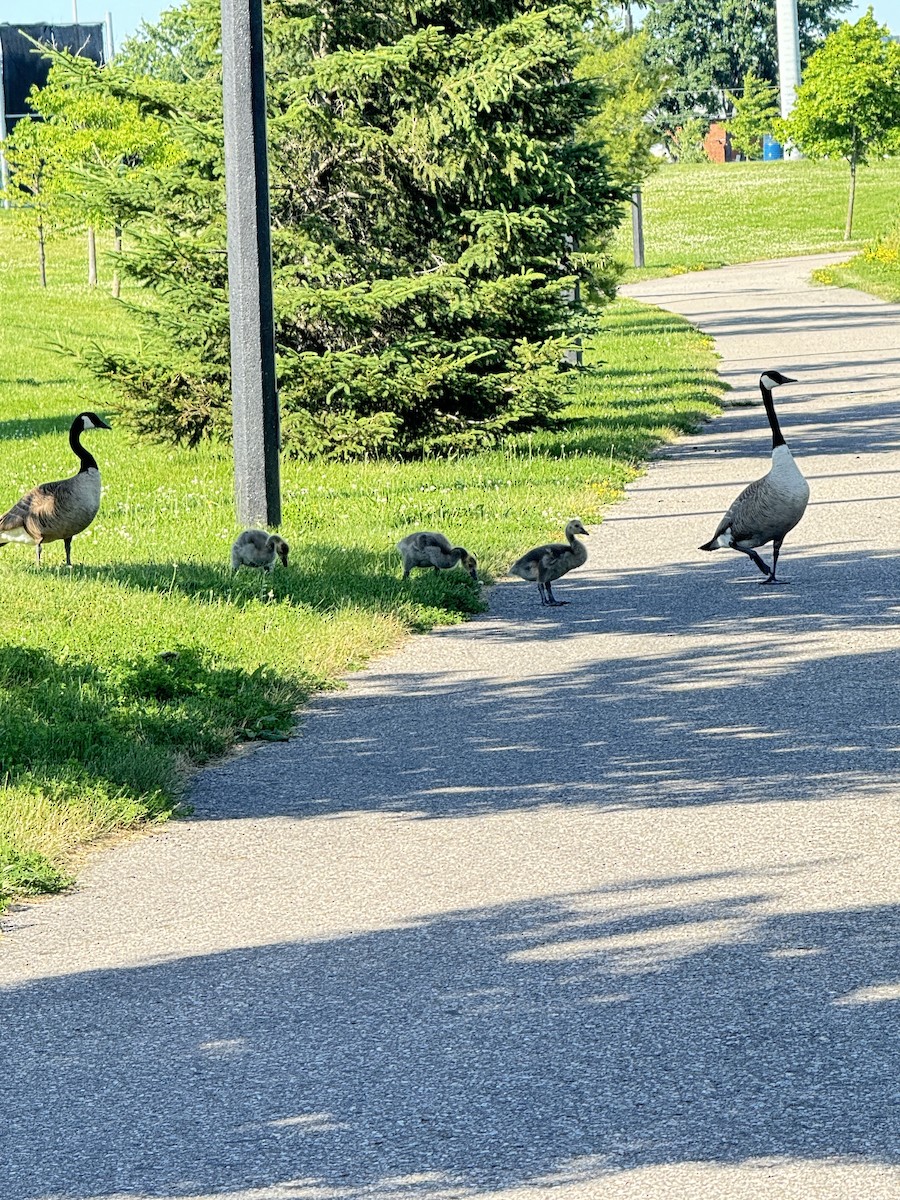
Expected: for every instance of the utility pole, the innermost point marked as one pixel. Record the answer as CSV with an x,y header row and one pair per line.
x,y
788,53
253,381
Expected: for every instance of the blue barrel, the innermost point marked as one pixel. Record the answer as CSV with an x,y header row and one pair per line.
x,y
772,150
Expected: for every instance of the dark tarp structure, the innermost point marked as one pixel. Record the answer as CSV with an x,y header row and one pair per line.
x,y
22,65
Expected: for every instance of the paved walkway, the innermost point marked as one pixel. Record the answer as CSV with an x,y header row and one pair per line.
x,y
597,902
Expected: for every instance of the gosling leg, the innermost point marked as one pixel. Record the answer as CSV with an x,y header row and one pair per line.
x,y
551,600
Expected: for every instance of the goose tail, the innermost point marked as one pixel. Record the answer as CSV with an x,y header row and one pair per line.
x,y
712,544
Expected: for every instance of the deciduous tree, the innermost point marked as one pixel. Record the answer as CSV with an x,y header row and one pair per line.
x,y
756,113
705,47
848,105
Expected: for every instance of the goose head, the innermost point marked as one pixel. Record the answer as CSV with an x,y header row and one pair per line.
x,y
771,379
574,527
281,548
90,420
470,563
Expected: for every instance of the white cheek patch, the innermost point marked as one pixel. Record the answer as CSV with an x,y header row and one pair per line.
x,y
768,382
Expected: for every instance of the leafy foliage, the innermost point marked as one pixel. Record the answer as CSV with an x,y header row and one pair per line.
x,y
756,113
848,104
77,128
704,48
629,89
430,188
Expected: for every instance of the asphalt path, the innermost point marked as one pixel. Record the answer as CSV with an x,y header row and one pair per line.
x,y
591,902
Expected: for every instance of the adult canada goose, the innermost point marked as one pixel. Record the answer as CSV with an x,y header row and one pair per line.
x,y
769,508
546,563
256,548
58,511
434,550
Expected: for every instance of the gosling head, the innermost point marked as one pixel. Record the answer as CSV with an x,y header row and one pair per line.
x,y
470,562
90,420
770,379
574,527
281,548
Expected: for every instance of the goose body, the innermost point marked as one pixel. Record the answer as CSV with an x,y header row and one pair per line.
x,y
256,548
434,550
543,564
58,511
769,508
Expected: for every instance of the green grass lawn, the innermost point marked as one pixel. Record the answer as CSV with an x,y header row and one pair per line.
x,y
149,657
712,214
876,270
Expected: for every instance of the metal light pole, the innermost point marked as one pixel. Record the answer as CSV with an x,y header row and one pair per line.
x,y
637,227
253,382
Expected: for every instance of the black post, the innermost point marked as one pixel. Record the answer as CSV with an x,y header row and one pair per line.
x,y
637,227
253,384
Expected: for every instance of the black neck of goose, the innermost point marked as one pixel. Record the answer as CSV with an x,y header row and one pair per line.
x,y
88,462
777,435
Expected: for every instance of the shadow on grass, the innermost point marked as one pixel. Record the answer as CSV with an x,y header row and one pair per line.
x,y
24,428
104,745
687,1020
326,578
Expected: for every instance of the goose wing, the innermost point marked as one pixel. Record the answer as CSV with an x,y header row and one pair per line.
x,y
33,512
764,511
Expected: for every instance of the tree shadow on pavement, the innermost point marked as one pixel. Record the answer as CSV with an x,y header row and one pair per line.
x,y
665,1021
739,696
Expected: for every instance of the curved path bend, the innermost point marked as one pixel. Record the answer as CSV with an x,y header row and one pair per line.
x,y
597,902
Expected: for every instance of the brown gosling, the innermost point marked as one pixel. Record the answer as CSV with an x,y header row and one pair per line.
x,y
546,563
53,512
256,548
434,550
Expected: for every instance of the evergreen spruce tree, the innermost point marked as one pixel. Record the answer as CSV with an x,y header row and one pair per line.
x,y
428,188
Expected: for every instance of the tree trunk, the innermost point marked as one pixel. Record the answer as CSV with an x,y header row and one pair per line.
x,y
92,257
848,228
42,253
117,245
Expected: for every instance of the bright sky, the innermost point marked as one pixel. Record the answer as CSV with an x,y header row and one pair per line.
x,y
128,14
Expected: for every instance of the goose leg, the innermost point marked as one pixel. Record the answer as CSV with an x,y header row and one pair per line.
x,y
759,562
67,542
37,552
776,547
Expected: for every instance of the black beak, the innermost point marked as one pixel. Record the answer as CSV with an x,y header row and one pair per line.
x,y
101,424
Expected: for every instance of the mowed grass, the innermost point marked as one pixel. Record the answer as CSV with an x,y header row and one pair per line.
x,y
876,270
149,657
712,214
